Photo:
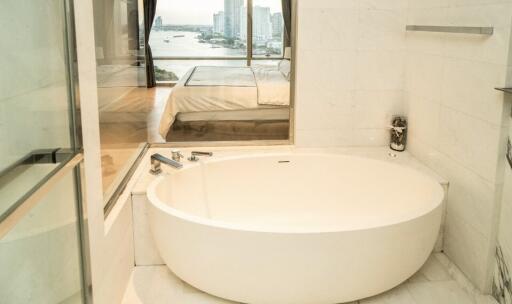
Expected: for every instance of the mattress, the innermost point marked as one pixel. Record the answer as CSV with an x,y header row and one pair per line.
x,y
220,92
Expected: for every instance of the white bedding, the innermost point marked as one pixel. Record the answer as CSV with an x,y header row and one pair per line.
x,y
221,76
272,90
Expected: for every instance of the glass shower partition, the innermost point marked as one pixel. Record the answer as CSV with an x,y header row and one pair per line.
x,y
41,218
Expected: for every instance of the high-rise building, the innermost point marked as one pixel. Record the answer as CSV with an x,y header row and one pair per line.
x,y
243,24
158,22
277,24
262,26
218,23
232,14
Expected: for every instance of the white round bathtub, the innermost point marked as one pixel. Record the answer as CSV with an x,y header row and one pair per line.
x,y
294,228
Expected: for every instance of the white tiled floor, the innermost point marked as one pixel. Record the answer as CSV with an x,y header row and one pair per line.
x,y
438,282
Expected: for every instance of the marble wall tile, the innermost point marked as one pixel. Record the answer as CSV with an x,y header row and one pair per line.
x,y
117,256
349,63
146,252
469,249
501,288
502,284
457,121
442,82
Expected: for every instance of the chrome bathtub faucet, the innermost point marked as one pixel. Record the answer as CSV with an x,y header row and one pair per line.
x,y
176,155
194,155
158,159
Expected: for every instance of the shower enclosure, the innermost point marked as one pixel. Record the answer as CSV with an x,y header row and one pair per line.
x,y
42,229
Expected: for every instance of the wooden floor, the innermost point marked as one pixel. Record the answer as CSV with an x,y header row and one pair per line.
x,y
128,119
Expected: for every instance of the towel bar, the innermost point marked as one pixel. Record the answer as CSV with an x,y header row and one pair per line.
x,y
451,29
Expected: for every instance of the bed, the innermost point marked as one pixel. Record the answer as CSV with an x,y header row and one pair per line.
x,y
208,93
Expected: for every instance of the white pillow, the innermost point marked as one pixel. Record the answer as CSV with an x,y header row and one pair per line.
x,y
285,68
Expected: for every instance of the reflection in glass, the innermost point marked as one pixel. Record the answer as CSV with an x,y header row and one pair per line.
x,y
40,256
122,96
35,102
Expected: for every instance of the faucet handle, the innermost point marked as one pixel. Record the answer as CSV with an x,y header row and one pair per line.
x,y
194,155
176,155
199,153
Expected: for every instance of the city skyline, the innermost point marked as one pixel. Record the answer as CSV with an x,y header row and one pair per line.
x,y
174,12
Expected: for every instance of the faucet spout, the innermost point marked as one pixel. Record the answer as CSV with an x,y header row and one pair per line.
x,y
158,159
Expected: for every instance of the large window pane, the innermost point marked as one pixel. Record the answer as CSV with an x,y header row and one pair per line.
x,y
199,28
267,28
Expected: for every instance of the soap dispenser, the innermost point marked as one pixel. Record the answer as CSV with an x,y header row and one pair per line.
x,y
398,140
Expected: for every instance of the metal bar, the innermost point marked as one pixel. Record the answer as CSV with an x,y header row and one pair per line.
x,y
506,90
215,58
249,32
451,29
31,199
243,143
197,58
71,76
293,77
42,156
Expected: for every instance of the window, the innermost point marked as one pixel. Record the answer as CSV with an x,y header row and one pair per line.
x,y
267,29
187,33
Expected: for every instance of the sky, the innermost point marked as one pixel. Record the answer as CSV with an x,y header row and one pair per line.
x,y
199,12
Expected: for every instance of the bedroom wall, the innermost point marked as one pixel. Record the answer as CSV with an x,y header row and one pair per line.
x,y
349,79
457,121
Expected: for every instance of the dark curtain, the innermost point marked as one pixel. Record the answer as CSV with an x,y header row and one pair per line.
x,y
149,16
287,16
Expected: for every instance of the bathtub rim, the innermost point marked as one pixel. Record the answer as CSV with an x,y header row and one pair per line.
x,y
155,201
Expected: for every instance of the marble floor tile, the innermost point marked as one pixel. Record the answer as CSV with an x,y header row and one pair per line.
x,y
433,270
434,283
398,295
158,285
444,292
